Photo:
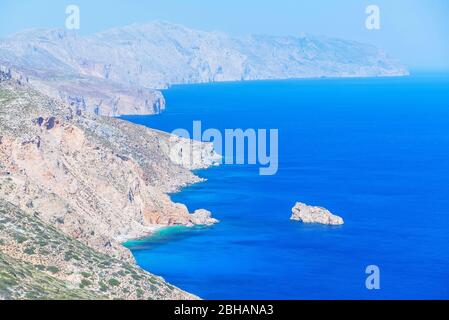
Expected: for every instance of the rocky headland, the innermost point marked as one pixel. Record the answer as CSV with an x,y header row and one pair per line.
x,y
310,214
91,182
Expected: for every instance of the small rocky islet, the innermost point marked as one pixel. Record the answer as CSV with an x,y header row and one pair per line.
x,y
311,214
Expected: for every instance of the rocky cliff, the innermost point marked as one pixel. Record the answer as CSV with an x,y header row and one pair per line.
x,y
97,180
114,72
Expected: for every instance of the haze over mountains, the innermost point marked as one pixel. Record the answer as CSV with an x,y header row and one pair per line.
x,y
118,71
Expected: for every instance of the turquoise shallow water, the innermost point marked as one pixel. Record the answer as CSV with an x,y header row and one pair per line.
x,y
375,151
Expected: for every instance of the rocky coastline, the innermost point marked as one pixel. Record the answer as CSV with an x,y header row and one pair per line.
x,y
96,180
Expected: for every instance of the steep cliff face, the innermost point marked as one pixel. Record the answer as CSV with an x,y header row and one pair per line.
x,y
112,72
87,94
98,179
100,96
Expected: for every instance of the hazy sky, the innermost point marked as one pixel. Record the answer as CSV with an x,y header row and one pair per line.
x,y
415,31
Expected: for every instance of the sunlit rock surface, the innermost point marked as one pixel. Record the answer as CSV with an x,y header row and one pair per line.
x,y
309,214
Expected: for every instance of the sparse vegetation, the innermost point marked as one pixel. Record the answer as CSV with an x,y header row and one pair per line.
x,y
37,260
63,257
85,283
53,269
20,238
30,250
114,282
103,287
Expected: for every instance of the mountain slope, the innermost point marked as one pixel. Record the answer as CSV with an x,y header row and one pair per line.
x,y
73,187
114,72
39,262
98,179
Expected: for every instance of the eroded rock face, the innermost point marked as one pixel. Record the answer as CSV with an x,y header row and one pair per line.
x,y
102,97
99,180
310,214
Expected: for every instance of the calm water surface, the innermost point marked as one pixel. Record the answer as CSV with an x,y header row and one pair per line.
x,y
375,151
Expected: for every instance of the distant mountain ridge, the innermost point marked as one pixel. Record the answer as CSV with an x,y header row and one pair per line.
x,y
117,71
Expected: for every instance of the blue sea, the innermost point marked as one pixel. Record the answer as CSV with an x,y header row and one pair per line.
x,y
374,151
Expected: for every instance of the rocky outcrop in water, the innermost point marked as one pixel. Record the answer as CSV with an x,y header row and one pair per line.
x,y
203,217
309,214
116,71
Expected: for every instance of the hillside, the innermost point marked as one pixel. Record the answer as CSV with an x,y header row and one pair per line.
x,y
73,187
39,262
